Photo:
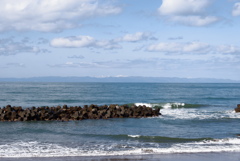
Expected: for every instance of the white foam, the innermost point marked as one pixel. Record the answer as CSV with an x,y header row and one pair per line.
x,y
134,136
218,145
144,104
36,149
187,113
175,105
163,105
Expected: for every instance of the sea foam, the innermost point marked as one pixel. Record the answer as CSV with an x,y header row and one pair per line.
x,y
162,105
189,114
37,149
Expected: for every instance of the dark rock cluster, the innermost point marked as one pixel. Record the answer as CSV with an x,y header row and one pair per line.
x,y
238,108
66,113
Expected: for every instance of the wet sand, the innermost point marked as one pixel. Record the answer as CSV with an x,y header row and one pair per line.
x,y
230,156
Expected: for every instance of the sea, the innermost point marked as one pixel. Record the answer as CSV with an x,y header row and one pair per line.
x,y
196,118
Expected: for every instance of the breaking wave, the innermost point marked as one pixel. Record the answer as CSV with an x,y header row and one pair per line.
x,y
198,114
172,105
38,149
190,111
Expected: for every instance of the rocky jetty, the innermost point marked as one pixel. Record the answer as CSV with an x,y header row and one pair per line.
x,y
238,108
66,113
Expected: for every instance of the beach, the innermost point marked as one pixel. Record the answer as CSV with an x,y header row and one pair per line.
x,y
230,156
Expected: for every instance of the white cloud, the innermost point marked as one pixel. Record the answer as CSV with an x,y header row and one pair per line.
x,y
76,57
82,41
228,49
194,48
182,48
17,65
128,64
236,9
123,64
193,20
138,36
88,41
50,15
74,42
77,65
10,47
182,7
111,44
176,38
187,12
165,47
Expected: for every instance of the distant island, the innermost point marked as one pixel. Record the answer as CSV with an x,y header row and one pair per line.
x,y
130,79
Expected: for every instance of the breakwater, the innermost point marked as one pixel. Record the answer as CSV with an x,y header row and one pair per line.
x,y
238,108
65,113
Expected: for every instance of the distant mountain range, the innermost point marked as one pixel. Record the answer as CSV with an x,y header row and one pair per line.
x,y
120,79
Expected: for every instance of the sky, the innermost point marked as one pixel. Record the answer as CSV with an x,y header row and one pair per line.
x,y
120,38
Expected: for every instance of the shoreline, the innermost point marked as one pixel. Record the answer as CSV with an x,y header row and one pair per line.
x,y
211,156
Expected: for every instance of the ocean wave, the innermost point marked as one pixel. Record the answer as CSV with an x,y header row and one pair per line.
x,y
152,139
195,114
171,111
134,136
170,105
38,149
162,139
206,146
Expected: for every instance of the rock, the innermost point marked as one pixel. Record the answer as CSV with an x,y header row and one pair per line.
x,y
21,114
17,108
66,113
76,115
65,107
238,108
156,112
65,119
13,116
2,117
8,108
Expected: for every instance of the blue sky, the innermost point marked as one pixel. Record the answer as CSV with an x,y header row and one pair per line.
x,y
102,38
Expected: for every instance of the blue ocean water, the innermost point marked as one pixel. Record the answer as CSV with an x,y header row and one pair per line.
x,y
195,118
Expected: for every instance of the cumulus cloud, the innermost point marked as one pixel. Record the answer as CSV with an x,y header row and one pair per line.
x,y
236,9
134,63
126,64
228,49
74,42
182,7
78,65
82,41
17,65
88,41
76,57
187,12
50,15
193,48
176,38
193,20
138,36
10,47
43,41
